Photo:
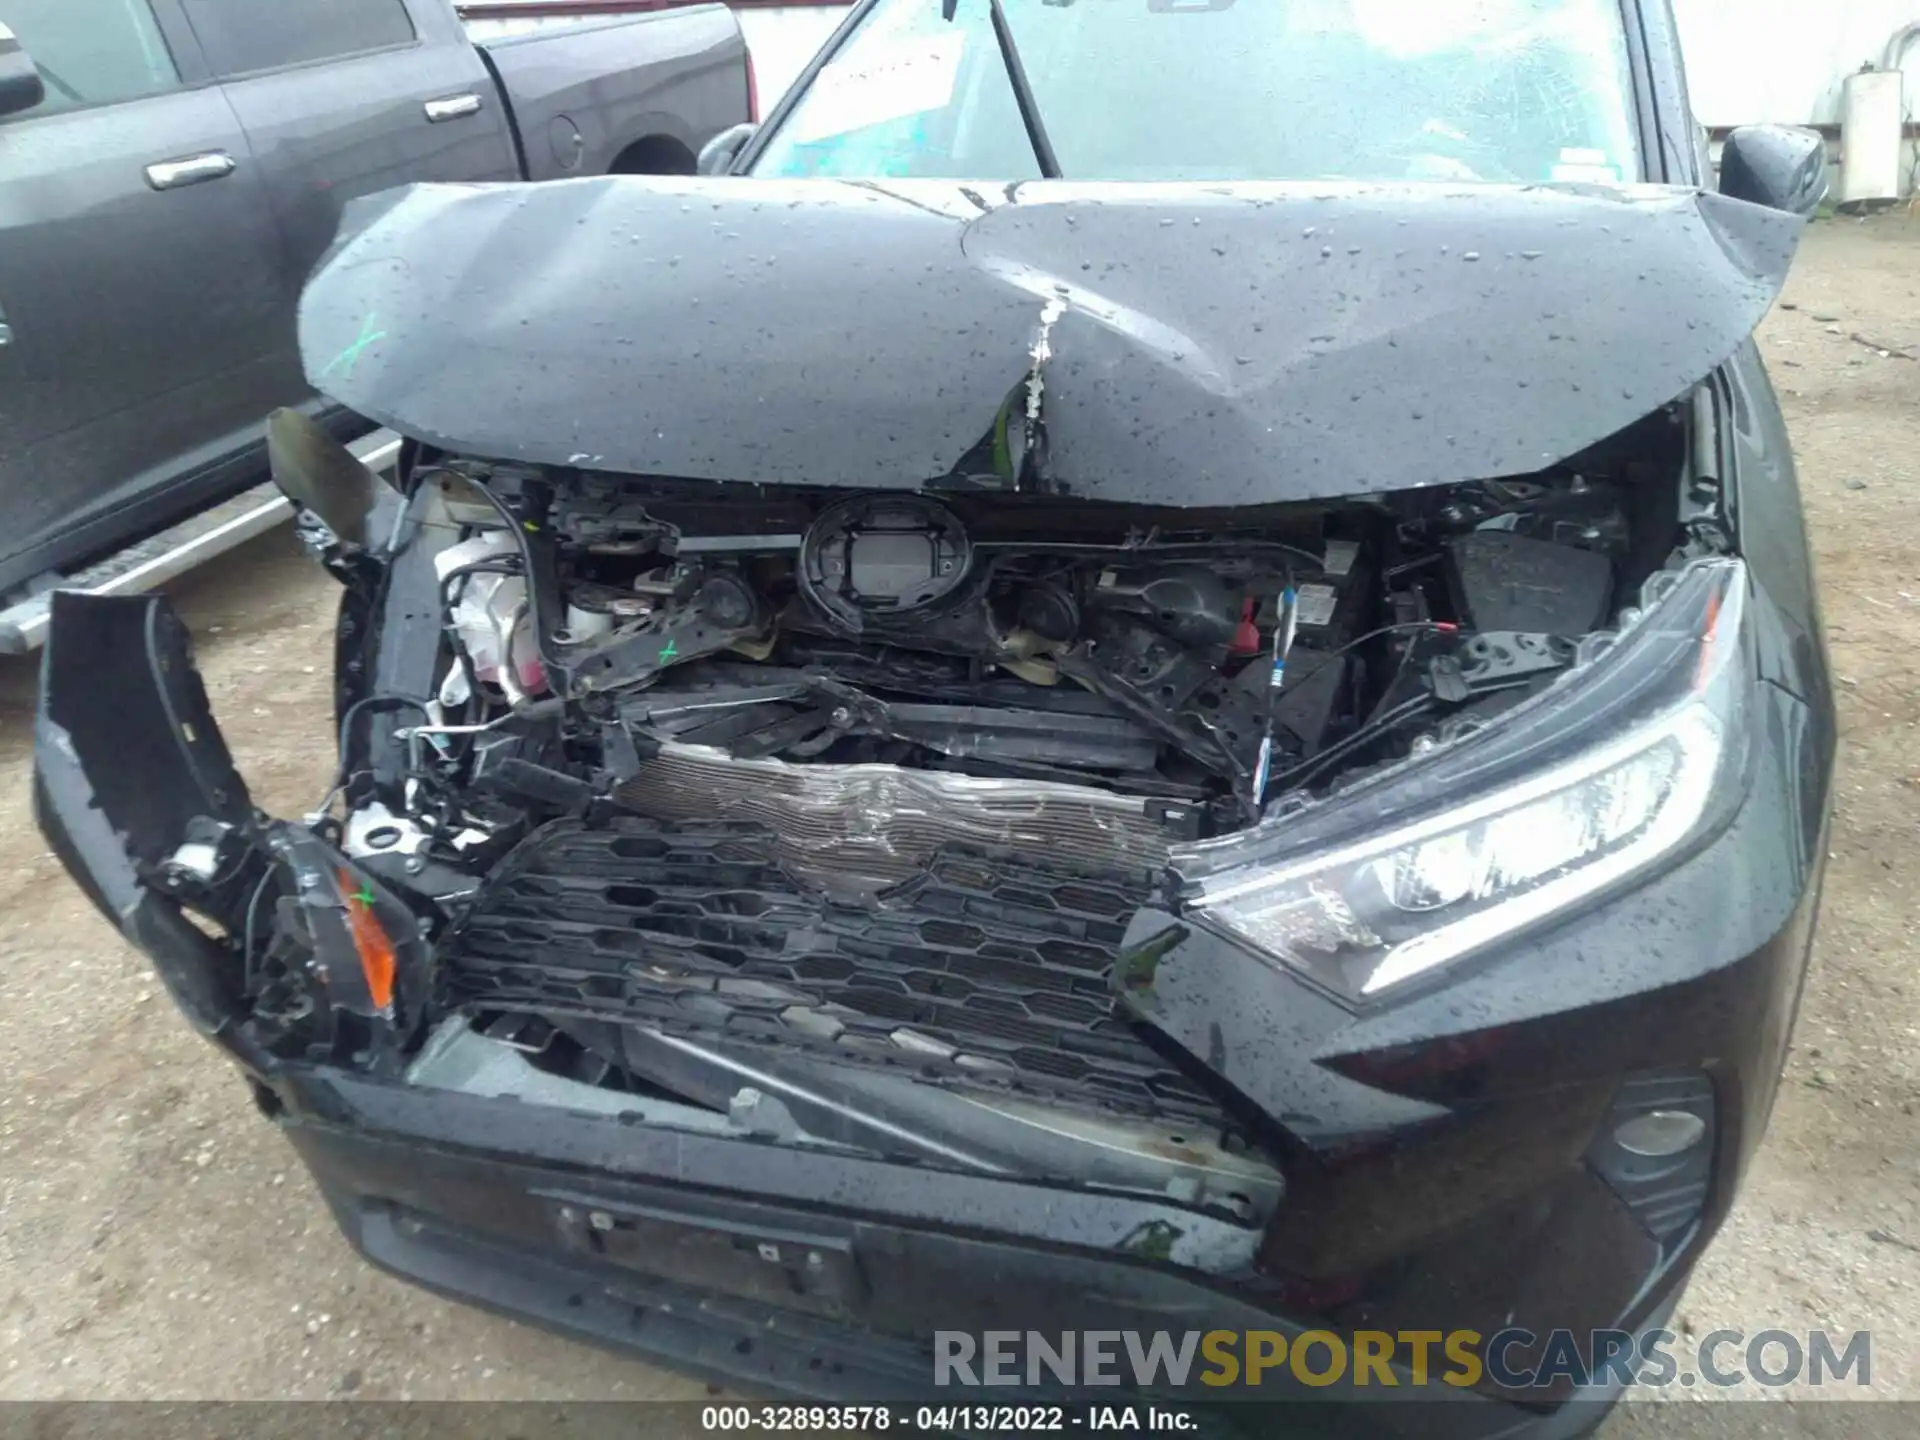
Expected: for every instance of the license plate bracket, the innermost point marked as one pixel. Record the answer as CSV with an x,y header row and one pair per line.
x,y
817,1273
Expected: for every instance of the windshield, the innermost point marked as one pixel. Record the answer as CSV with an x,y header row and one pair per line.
x,y
1525,91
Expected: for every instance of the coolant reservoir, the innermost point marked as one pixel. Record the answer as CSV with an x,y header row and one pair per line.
x,y
490,619
1870,138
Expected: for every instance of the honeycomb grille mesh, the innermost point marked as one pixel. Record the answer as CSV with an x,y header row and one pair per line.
x,y
979,972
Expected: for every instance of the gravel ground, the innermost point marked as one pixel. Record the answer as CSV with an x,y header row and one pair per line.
x,y
158,1240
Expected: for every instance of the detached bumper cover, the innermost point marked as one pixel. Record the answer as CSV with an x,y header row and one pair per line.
x,y
128,767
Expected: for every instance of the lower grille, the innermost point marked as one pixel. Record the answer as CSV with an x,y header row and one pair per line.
x,y
977,973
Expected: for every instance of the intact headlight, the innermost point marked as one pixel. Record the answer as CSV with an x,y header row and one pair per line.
x,y
1620,765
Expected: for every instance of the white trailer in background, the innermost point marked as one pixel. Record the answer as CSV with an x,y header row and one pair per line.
x,y
1801,62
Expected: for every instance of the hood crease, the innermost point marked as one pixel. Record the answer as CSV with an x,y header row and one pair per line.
x,y
1204,346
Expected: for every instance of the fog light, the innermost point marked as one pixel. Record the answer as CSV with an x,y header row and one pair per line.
x,y
1661,1134
1655,1149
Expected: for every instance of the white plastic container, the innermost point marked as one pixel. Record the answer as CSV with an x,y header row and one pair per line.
x,y
490,620
1870,123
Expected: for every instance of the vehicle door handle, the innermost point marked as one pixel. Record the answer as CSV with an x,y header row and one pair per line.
x,y
454,107
172,174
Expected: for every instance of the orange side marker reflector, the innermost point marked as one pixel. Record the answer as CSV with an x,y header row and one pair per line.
x,y
1709,642
370,939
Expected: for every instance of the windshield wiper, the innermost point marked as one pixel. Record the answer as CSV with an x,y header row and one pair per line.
x,y
1022,90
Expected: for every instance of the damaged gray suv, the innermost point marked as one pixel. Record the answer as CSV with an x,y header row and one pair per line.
x,y
1158,671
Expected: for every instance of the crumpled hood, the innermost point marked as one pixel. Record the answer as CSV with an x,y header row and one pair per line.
x,y
1198,345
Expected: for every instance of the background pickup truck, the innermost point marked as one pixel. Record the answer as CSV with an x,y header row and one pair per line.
x,y
170,170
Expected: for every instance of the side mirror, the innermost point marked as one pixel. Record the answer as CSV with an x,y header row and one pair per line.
x,y
716,156
20,85
1778,166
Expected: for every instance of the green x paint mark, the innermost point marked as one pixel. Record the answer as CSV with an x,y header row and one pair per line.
x,y
668,651
364,895
351,355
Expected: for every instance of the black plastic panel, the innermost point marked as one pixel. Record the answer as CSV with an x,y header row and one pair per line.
x,y
1504,581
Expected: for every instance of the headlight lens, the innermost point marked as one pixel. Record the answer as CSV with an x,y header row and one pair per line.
x,y
1637,785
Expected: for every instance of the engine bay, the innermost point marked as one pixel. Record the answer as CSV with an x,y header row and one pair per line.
x,y
1200,663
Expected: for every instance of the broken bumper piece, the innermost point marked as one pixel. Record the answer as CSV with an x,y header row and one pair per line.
x,y
137,793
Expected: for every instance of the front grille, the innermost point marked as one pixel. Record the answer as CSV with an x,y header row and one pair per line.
x,y
980,972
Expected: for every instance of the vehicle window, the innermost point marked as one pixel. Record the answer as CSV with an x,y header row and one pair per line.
x,y
90,54
1503,90
242,36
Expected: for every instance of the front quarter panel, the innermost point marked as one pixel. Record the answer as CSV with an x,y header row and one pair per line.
x,y
1771,528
